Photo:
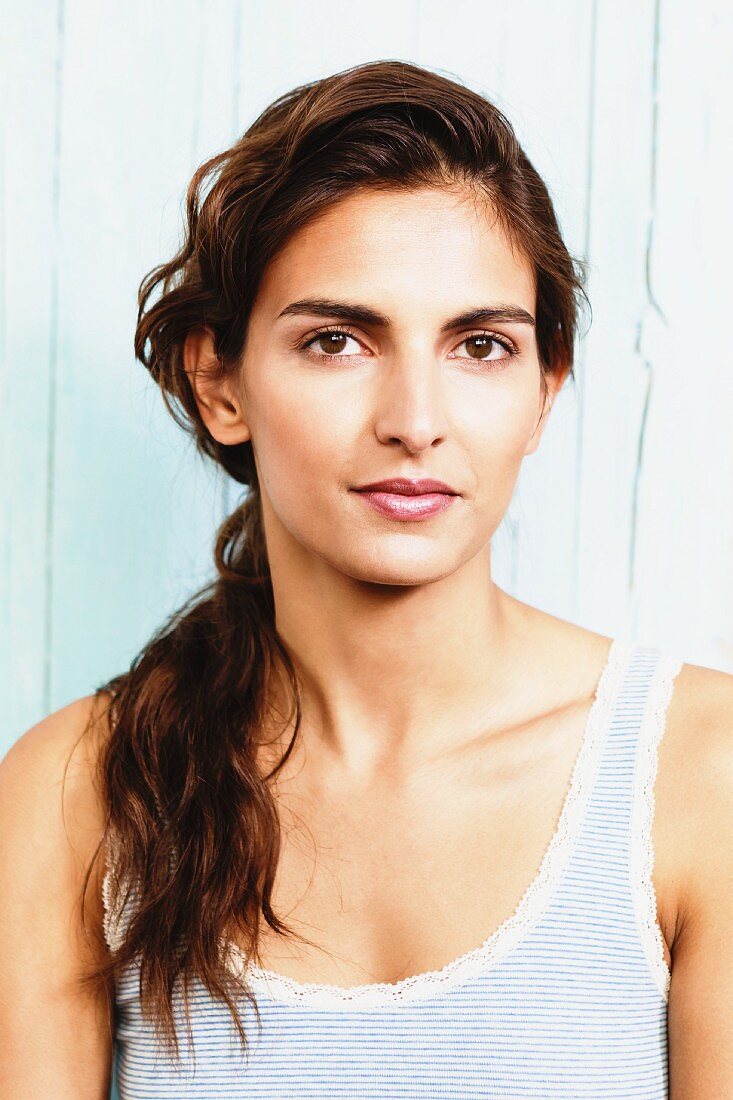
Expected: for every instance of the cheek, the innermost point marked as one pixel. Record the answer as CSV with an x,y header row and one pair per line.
x,y
300,439
500,425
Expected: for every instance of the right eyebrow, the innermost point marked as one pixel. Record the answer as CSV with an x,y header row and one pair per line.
x,y
360,314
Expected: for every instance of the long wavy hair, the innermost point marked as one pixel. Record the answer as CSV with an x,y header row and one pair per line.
x,y
190,814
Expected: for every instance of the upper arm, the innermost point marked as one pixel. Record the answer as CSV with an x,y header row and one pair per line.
x,y
700,1010
55,1034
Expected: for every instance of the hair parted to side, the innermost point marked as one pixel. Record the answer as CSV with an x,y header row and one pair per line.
x,y
191,820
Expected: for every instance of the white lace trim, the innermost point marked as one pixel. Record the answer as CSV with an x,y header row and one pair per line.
x,y
641,849
112,921
514,928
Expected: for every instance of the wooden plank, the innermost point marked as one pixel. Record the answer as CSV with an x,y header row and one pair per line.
x,y
31,62
285,44
683,565
134,508
614,381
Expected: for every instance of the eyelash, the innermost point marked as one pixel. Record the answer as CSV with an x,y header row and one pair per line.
x,y
504,341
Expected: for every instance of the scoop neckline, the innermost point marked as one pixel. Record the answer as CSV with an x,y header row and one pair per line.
x,y
281,988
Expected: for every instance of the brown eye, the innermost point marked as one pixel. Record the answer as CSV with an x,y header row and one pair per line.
x,y
484,347
479,346
332,341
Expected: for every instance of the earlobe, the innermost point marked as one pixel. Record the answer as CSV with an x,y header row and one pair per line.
x,y
534,439
554,383
218,403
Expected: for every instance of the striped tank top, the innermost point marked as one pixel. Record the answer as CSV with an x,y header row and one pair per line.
x,y
567,998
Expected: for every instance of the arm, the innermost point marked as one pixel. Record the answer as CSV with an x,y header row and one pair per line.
x,y
701,993
55,1036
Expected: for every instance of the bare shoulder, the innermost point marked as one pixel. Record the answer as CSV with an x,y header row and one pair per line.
x,y
51,825
60,731
54,767
52,809
697,752
707,690
699,742
51,802
696,776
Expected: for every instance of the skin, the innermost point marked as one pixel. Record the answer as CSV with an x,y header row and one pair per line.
x,y
438,711
417,667
367,602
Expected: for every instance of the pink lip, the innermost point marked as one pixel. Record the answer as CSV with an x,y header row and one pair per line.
x,y
405,506
408,486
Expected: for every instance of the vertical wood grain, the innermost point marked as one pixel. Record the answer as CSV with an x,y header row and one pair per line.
x,y
32,48
623,520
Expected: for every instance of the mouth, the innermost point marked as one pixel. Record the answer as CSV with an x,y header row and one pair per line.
x,y
405,499
406,486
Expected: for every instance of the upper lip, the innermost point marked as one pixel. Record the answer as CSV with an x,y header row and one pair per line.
x,y
409,486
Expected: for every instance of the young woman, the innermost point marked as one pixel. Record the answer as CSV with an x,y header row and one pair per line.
x,y
356,822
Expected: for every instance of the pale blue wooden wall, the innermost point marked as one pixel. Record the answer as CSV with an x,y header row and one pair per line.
x,y
623,520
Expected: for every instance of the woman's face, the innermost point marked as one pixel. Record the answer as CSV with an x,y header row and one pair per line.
x,y
361,365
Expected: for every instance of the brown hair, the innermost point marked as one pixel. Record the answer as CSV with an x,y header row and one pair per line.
x,y
194,822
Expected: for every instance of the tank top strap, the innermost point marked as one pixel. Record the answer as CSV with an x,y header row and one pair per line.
x,y
112,900
615,840
120,897
624,780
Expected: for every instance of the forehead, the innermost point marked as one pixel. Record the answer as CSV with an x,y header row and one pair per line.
x,y
431,248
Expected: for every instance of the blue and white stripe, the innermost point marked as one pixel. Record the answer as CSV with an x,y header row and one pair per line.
x,y
568,998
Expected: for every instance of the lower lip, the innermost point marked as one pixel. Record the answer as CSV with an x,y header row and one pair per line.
x,y
402,506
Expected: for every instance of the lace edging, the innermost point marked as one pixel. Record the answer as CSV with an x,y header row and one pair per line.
x,y
112,910
529,908
642,848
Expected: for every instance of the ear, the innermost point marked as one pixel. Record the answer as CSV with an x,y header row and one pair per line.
x,y
554,380
218,402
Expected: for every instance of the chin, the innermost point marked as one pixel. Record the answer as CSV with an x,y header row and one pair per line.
x,y
398,570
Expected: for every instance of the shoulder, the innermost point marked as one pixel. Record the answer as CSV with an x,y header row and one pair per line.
x,y
696,781
699,725
64,747
51,912
708,690
51,806
698,748
698,744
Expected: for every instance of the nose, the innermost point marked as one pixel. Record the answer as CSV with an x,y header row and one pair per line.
x,y
410,403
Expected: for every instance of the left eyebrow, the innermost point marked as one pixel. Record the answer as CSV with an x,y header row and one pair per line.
x,y
351,311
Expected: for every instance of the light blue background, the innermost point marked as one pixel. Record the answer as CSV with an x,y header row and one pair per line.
x,y
623,521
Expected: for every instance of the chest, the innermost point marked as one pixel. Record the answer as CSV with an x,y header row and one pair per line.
x,y
401,880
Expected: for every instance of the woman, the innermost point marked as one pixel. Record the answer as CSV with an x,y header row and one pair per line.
x,y
387,831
